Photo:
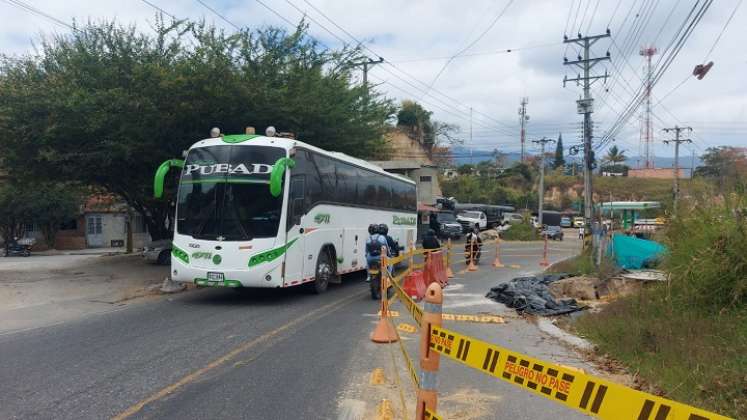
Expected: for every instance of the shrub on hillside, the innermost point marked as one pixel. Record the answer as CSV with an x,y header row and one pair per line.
x,y
521,232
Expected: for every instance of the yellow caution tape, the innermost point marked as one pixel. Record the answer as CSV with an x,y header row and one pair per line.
x,y
410,366
407,328
485,319
586,393
410,304
431,415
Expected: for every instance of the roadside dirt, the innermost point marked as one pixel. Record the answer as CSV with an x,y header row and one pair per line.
x,y
46,279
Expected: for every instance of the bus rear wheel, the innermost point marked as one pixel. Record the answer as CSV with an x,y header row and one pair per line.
x,y
325,269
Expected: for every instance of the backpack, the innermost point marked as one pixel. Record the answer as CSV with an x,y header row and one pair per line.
x,y
373,247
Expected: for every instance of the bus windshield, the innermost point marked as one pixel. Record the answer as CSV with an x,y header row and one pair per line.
x,y
224,193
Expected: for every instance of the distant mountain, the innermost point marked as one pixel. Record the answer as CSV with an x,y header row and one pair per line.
x,y
463,155
663,162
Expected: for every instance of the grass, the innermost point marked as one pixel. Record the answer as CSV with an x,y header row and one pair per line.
x,y
688,337
583,265
696,359
520,232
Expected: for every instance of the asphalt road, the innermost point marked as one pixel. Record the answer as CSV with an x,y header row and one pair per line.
x,y
218,353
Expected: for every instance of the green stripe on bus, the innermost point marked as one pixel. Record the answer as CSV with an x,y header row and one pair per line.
x,y
238,138
270,255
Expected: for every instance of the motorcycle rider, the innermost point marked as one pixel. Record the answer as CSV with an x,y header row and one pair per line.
x,y
390,242
374,245
430,241
473,245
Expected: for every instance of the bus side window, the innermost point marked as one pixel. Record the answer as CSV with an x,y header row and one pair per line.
x,y
298,207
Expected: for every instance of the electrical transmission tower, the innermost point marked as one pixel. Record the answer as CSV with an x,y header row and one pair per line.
x,y
523,118
541,190
647,129
677,140
586,106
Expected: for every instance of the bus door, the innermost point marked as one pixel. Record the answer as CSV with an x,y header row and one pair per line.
x,y
294,254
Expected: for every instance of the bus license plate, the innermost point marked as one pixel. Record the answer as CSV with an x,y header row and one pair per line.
x,y
215,277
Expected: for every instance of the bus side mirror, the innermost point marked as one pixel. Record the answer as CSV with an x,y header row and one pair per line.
x,y
161,172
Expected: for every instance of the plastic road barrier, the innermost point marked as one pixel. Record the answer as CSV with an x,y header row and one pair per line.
x,y
586,393
435,271
412,307
414,285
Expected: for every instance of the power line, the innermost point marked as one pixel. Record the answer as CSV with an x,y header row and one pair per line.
x,y
426,91
225,19
596,6
470,45
501,51
41,13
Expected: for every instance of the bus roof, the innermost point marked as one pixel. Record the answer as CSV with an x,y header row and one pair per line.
x,y
286,143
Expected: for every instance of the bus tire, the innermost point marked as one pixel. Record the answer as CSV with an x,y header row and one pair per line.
x,y
325,269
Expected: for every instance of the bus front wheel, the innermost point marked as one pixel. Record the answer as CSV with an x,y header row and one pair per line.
x,y
324,271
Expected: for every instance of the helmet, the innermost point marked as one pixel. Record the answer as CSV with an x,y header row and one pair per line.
x,y
372,229
383,229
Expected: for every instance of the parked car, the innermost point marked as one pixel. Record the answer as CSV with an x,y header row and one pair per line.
x,y
554,233
158,252
512,218
578,222
448,226
566,222
468,220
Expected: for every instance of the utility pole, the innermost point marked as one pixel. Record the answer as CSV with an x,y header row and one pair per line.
x,y
365,65
677,140
523,118
585,106
470,126
541,193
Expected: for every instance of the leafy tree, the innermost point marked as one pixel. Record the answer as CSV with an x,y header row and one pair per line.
x,y
559,161
47,205
104,106
726,165
615,155
465,169
416,120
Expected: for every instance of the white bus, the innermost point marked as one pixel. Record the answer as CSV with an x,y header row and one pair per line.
x,y
257,211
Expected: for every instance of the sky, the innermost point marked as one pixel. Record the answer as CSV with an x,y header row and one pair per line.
x,y
453,58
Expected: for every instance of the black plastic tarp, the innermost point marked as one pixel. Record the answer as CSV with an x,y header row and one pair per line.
x,y
531,295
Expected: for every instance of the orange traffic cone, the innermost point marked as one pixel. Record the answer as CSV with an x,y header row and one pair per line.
x,y
471,266
497,261
384,331
449,273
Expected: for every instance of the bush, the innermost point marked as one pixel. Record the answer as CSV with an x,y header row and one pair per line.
x,y
521,232
688,336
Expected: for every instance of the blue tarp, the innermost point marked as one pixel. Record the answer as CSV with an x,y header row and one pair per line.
x,y
630,252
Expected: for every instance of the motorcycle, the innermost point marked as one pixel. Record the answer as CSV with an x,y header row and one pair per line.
x,y
468,251
374,273
16,248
